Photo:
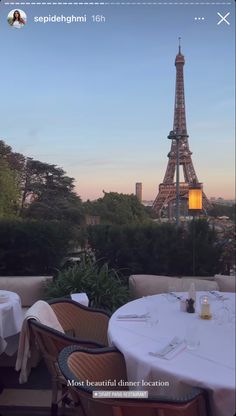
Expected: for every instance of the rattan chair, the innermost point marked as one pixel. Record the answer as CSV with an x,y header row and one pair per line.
x,y
50,342
81,321
82,325
80,365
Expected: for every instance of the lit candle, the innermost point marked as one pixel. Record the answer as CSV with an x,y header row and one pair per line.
x,y
205,310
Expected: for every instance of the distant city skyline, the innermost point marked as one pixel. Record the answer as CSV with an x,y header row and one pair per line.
x,y
216,199
98,99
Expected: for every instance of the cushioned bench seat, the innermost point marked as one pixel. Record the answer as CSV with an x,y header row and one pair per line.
x,y
226,283
29,288
145,285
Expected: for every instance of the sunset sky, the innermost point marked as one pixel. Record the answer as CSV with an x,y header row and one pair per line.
x,y
97,99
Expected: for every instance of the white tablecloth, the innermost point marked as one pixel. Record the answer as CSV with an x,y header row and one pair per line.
x,y
211,366
11,319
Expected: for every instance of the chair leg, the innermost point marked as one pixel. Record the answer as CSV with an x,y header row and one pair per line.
x,y
1,387
64,399
67,399
54,406
54,409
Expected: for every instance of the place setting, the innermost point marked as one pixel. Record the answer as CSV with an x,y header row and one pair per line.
x,y
148,313
169,349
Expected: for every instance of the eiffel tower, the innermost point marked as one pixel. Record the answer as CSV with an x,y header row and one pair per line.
x,y
167,190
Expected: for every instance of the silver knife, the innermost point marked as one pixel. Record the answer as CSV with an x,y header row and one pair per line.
x,y
171,346
132,316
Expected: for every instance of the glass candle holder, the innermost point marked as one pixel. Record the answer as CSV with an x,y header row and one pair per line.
x,y
205,308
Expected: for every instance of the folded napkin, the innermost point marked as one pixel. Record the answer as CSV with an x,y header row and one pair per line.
x,y
169,350
81,298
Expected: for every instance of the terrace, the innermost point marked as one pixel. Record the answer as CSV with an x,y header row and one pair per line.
x,y
34,397
116,311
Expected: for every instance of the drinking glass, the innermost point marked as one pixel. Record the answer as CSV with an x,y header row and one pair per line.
x,y
222,316
172,297
152,310
192,336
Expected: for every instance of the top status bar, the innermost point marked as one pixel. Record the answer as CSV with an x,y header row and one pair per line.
x,y
116,3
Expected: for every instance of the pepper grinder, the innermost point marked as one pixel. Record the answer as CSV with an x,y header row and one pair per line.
x,y
190,305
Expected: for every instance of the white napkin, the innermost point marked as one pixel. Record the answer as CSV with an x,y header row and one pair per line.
x,y
81,298
169,349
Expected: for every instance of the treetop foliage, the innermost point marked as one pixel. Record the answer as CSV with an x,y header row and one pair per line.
x,y
115,208
16,161
9,191
36,189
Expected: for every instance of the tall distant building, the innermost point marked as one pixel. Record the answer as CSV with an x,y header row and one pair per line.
x,y
138,191
167,190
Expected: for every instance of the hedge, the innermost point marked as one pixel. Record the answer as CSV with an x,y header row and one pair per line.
x,y
157,248
32,247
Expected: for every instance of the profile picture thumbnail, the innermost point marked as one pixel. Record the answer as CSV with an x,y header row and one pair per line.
x,y
17,18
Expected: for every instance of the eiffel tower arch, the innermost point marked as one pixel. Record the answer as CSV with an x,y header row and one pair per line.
x,y
167,189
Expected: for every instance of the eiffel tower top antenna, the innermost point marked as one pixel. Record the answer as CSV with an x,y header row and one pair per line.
x,y
179,45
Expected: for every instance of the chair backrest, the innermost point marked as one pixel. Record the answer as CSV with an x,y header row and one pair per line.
x,y
81,368
98,365
50,342
83,322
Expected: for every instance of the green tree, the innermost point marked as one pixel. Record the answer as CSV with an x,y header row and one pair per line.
x,y
44,190
9,191
115,208
16,162
40,177
49,194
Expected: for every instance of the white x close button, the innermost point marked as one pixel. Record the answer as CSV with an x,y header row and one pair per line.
x,y
223,18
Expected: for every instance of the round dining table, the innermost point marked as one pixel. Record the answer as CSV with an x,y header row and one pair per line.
x,y
145,328
11,319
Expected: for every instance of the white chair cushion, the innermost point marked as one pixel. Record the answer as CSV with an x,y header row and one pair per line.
x,y
226,283
145,285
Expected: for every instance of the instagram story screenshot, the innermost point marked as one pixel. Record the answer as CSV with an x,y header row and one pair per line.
x,y
117,208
